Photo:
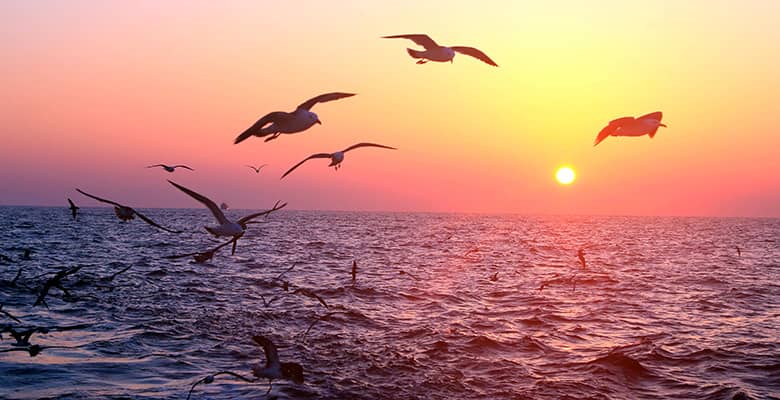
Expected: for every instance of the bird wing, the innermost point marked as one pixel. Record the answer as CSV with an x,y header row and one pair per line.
x,y
476,53
355,146
259,214
253,168
218,214
422,40
99,199
323,98
71,204
271,354
653,115
256,128
152,223
611,128
183,166
156,165
318,155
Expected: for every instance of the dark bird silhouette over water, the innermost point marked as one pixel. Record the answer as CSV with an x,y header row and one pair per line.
x,y
170,168
279,122
203,256
274,369
337,157
581,256
210,379
257,169
435,52
629,126
354,271
73,209
55,282
225,227
26,254
34,349
739,252
125,213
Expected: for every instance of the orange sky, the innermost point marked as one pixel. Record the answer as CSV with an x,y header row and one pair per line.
x,y
94,91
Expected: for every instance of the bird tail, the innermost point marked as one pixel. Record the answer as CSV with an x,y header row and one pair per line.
x,y
244,136
415,53
211,231
652,134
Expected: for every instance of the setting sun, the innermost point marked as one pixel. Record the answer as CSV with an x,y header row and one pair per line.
x,y
565,175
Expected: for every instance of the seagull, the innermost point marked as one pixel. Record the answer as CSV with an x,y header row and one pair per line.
x,y
289,122
337,157
55,281
210,379
257,169
73,209
581,256
274,369
629,126
202,257
23,337
35,349
126,213
170,168
435,52
225,227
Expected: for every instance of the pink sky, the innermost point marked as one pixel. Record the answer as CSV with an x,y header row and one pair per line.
x,y
95,91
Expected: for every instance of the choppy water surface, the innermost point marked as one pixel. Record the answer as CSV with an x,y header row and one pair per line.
x,y
666,309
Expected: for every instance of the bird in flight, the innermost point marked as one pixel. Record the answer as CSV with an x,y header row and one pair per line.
x,y
257,169
435,52
279,122
629,126
225,227
170,168
274,369
581,256
126,213
73,209
337,157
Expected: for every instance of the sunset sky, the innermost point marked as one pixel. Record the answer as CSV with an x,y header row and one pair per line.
x,y
92,92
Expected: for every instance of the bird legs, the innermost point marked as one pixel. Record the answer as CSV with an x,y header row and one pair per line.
x,y
274,136
421,62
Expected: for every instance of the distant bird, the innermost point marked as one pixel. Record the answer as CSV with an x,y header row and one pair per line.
x,y
257,169
125,213
225,227
210,379
581,256
435,52
23,337
279,122
203,256
55,282
170,168
494,277
310,294
73,209
34,349
337,157
274,369
354,271
26,255
739,252
629,126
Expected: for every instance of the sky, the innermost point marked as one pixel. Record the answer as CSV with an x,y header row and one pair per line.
x,y
94,91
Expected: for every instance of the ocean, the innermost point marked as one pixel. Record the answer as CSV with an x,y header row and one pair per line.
x,y
444,306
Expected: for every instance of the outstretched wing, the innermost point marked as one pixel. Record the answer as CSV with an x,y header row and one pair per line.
x,y
271,355
318,155
355,146
260,214
156,165
71,204
422,40
476,53
206,202
183,166
257,127
323,98
611,128
653,115
152,223
113,203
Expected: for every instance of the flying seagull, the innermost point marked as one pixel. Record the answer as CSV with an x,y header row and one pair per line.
x,y
225,227
170,168
126,213
257,169
337,157
274,369
73,209
289,122
210,379
435,52
581,256
629,126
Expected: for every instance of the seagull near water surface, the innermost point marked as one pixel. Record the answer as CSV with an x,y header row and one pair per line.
x,y
126,213
170,168
337,157
629,126
256,169
435,52
279,122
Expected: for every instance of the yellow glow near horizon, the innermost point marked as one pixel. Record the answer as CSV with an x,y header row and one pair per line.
x,y
565,175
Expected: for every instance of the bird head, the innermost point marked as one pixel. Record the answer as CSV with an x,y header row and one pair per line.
x,y
314,118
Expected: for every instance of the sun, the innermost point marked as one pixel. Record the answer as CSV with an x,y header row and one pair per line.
x,y
565,175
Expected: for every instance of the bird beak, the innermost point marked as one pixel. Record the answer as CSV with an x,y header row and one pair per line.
x,y
664,125
318,121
